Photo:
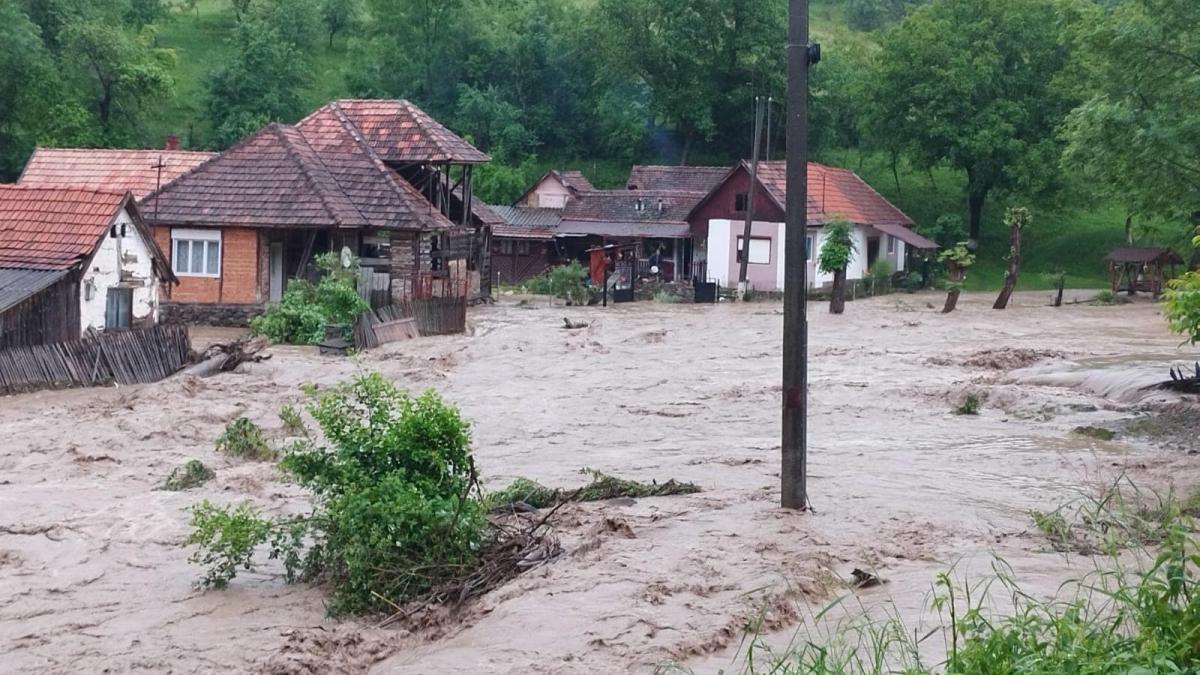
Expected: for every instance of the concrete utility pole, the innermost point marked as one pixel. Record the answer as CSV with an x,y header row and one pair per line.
x,y
743,282
794,473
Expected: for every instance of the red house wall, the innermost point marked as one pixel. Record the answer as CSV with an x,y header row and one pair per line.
x,y
722,204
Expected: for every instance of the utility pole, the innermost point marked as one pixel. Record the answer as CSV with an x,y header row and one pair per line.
x,y
794,472
743,283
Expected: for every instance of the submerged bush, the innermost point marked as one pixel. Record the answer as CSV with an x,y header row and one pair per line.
x,y
305,309
188,476
396,511
244,439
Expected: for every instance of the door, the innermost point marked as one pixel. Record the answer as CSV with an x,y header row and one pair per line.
x,y
276,269
118,313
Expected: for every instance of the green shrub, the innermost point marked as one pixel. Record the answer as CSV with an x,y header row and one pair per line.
x,y
565,282
188,476
1183,306
305,309
396,510
969,406
293,424
1105,298
881,271
243,438
601,487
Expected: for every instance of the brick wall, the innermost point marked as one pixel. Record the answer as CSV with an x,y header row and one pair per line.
x,y
239,281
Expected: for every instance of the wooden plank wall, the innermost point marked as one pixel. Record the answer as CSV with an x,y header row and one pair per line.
x,y
125,357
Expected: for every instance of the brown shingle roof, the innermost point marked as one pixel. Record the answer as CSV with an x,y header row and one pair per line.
x,y
683,178
48,228
575,180
103,169
630,213
401,132
1144,254
281,177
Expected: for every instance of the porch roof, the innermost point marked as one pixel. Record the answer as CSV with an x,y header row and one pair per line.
x,y
643,230
906,235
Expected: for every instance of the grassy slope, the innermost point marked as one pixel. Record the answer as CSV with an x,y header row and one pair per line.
x,y
200,42
1071,238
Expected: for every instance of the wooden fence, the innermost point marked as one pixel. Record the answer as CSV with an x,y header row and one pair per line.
x,y
128,357
410,319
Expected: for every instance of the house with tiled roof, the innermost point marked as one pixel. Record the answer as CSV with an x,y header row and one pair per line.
x,y
882,233
138,171
73,259
554,189
379,178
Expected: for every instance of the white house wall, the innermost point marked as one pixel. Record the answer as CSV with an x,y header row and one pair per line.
x,y
721,255
120,261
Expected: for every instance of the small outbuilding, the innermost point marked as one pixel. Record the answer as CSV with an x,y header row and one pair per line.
x,y
1144,269
73,259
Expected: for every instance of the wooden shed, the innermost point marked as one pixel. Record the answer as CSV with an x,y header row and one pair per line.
x,y
1144,269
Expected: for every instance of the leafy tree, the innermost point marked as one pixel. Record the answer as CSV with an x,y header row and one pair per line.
x,y
973,84
835,256
957,260
118,72
415,50
261,83
337,16
702,61
494,125
875,14
1017,219
1137,136
27,70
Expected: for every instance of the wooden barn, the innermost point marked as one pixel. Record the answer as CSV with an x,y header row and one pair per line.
x,y
74,259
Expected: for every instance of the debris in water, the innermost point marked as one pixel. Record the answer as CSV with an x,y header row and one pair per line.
x,y
574,325
1099,433
865,579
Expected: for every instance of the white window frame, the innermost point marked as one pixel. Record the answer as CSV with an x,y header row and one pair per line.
x,y
891,243
751,252
810,242
191,235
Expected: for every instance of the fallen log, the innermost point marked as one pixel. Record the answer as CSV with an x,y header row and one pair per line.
x,y
222,357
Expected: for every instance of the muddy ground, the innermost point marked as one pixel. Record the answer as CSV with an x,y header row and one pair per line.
x,y
94,577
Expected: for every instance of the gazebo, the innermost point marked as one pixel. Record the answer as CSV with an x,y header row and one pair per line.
x,y
1144,269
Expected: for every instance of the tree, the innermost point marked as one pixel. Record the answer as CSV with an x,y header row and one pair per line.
x,y
415,50
261,83
973,84
875,14
494,125
1016,218
26,66
957,261
338,15
702,61
1137,136
834,258
118,72
1183,302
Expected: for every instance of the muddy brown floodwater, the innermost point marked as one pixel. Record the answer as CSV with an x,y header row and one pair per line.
x,y
94,576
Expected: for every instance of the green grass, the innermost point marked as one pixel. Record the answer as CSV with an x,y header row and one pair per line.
x,y
1073,237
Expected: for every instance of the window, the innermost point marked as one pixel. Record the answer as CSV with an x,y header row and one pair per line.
x,y
506,247
119,310
891,243
741,202
760,250
808,247
196,253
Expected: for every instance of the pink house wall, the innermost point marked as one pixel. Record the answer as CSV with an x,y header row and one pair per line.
x,y
758,276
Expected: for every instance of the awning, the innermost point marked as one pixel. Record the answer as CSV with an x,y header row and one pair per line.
x,y
628,230
906,235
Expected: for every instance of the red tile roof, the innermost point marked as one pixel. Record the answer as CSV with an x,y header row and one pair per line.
x,y
685,178
832,192
323,175
401,132
48,228
103,169
575,181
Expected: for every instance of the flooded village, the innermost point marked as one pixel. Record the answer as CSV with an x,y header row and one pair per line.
x,y
373,336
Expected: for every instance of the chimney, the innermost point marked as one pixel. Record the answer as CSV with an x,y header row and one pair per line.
x,y
172,142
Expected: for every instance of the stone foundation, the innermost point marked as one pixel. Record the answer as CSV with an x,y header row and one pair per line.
x,y
206,314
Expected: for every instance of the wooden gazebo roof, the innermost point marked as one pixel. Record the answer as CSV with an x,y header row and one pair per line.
x,y
1144,255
